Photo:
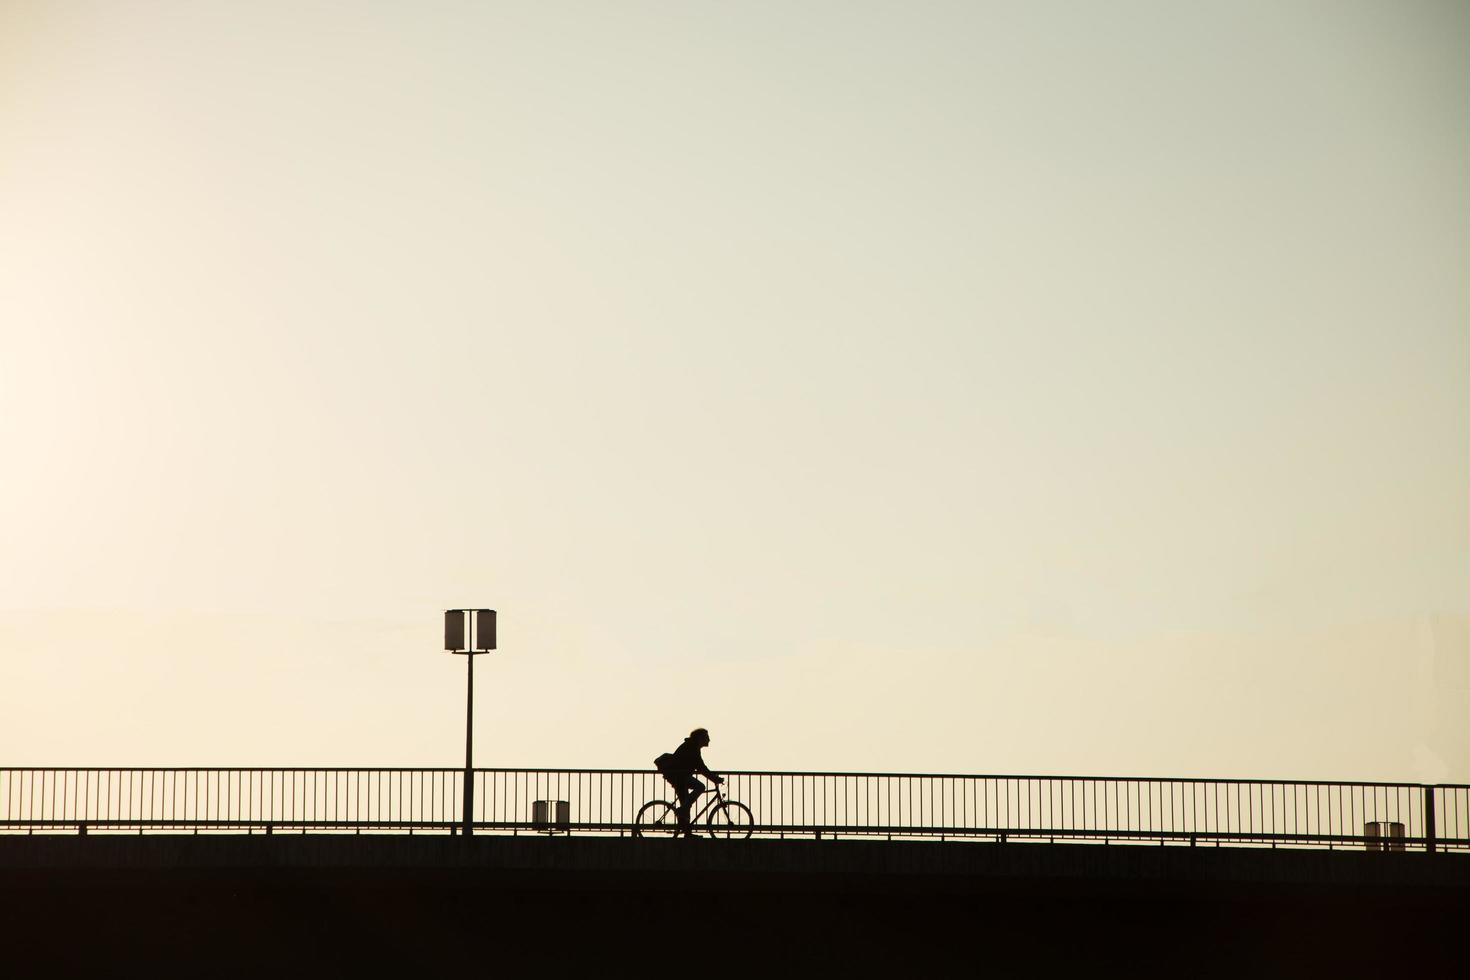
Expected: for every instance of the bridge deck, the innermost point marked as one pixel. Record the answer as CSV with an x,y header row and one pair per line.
x,y
330,904
973,862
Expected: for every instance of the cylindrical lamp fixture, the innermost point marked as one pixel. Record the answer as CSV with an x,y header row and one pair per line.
x,y
454,630
484,629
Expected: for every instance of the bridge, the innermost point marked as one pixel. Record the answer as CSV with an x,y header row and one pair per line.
x,y
329,871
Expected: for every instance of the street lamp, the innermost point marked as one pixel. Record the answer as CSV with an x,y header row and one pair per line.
x,y
467,637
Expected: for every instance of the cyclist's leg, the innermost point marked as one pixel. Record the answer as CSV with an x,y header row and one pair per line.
x,y
689,790
677,780
696,790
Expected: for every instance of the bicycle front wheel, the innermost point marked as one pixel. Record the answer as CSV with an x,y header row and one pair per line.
x,y
657,818
731,820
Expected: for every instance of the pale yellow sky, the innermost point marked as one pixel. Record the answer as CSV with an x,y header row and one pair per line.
x,y
985,387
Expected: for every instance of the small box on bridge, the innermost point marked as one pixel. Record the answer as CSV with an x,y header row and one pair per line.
x,y
1384,835
551,816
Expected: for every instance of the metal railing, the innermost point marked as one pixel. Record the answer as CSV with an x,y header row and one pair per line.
x,y
1388,816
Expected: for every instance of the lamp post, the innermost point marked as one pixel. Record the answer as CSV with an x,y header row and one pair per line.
x,y
469,636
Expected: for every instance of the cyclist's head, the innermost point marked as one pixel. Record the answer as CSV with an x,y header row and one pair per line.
x,y
700,735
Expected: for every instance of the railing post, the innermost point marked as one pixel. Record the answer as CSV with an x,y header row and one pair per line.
x,y
1429,819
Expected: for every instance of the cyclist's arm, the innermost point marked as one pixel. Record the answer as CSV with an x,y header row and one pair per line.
x,y
706,770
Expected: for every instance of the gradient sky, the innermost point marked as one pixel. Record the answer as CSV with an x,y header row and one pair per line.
x,y
973,387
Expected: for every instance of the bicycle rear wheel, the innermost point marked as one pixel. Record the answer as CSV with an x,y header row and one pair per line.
x,y
731,821
656,819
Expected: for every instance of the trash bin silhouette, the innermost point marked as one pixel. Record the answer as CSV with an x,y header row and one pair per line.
x,y
551,816
1384,835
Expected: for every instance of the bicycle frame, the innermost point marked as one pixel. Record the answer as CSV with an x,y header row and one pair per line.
x,y
715,796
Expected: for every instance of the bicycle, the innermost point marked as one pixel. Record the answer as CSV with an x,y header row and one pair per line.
x,y
723,818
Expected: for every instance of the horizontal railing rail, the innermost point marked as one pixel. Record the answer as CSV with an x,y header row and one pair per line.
x,y
1231,812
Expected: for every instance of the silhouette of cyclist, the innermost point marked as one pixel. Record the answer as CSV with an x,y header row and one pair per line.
x,y
679,767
